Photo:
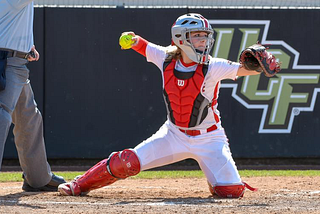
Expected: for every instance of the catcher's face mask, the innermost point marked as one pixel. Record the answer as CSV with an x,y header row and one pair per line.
x,y
201,43
183,30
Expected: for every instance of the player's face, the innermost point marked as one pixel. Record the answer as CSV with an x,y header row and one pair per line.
x,y
199,39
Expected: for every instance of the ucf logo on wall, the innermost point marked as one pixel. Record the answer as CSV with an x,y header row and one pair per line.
x,y
280,98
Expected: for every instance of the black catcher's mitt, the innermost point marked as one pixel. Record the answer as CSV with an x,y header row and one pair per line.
x,y
257,58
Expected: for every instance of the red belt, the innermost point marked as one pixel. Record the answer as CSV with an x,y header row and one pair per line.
x,y
198,132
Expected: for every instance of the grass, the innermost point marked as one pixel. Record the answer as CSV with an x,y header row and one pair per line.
x,y
16,176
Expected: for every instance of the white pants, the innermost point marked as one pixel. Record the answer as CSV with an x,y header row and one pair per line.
x,y
211,150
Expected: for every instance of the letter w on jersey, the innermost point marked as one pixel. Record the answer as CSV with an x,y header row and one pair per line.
x,y
180,83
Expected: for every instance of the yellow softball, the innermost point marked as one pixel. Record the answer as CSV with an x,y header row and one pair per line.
x,y
126,41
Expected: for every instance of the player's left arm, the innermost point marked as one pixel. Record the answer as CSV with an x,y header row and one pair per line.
x,y
242,71
256,59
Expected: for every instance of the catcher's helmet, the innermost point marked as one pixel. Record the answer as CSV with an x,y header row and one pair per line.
x,y
180,33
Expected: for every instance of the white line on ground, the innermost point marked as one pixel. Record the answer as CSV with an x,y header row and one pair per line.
x,y
169,203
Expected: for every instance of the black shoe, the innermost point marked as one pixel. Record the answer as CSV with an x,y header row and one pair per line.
x,y
52,186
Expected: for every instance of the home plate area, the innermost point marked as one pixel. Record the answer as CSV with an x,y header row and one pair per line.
x,y
274,195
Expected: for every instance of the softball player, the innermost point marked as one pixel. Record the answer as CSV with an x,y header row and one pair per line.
x,y
191,82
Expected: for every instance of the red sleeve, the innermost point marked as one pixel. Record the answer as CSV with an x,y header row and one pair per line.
x,y
141,46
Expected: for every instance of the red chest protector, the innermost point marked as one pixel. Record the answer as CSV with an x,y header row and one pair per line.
x,y
185,104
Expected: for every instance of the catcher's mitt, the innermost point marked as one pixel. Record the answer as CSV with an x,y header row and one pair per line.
x,y
257,58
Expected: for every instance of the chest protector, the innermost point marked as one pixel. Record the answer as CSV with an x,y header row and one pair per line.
x,y
185,104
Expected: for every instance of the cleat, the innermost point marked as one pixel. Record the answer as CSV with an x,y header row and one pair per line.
x,y
69,189
52,186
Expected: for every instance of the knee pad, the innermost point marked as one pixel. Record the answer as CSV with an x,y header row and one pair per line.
x,y
123,164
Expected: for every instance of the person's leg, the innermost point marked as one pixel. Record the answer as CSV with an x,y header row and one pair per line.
x,y
119,165
161,149
28,135
5,122
216,162
168,145
8,100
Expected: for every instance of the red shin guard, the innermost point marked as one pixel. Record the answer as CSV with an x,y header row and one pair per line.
x,y
119,165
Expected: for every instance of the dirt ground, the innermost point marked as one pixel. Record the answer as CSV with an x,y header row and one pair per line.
x,y
275,195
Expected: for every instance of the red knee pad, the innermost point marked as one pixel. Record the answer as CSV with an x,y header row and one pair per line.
x,y
118,166
124,164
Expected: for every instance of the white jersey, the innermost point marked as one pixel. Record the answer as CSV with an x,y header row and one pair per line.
x,y
218,70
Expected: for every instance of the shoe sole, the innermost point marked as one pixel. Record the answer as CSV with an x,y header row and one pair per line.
x,y
42,189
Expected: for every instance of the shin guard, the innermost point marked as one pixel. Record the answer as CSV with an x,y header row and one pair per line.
x,y
119,165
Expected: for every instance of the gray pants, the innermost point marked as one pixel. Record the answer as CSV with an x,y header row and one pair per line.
x,y
17,106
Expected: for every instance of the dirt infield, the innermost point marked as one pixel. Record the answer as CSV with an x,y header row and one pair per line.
x,y
275,195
